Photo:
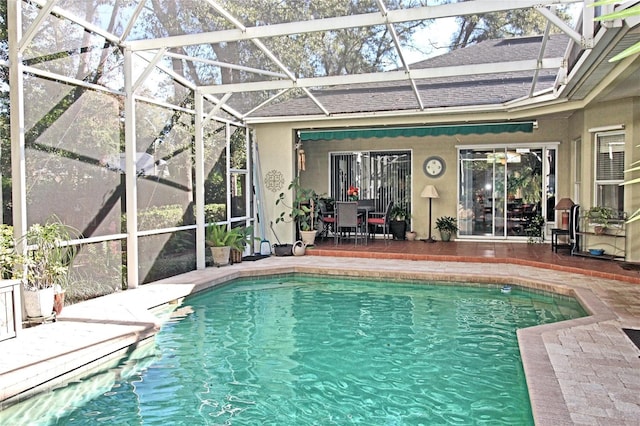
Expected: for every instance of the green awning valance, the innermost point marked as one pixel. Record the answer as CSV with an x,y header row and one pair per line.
x,y
392,132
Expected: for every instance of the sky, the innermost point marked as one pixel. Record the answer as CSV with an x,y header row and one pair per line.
x,y
435,38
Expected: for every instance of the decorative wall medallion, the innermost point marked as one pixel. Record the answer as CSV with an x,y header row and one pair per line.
x,y
434,167
273,180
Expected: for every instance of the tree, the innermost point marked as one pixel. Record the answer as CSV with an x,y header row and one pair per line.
x,y
473,29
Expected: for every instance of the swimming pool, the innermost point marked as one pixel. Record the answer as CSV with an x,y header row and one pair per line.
x,y
311,350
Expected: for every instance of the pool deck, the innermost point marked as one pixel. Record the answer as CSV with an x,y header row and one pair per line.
x,y
584,371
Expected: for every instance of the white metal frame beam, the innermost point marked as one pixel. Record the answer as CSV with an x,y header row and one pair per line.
x,y
426,73
398,16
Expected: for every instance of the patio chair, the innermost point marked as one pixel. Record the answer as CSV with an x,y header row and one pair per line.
x,y
328,218
347,219
381,220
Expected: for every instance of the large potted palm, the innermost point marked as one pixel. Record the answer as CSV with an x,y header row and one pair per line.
x,y
46,265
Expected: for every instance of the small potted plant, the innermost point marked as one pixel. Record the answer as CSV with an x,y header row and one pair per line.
x,y
411,235
600,217
447,225
47,264
245,236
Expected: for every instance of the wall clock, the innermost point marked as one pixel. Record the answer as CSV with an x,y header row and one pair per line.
x,y
433,167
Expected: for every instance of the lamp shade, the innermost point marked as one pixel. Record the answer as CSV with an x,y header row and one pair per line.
x,y
564,204
429,191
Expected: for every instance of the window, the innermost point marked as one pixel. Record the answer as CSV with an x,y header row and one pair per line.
x,y
380,176
609,164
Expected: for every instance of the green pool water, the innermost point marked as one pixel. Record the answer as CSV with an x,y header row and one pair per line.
x,y
306,350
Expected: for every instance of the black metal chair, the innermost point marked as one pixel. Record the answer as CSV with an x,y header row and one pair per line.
x,y
328,218
381,220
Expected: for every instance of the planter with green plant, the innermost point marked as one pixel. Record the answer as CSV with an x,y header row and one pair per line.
x,y
599,217
221,240
398,221
447,226
245,236
47,264
303,210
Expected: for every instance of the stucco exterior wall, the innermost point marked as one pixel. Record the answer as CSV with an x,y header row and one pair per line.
x,y
627,113
277,152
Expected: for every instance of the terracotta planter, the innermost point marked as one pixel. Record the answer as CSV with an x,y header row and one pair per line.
x,y
410,235
58,302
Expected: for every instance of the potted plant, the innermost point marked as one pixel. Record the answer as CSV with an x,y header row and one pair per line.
x,y
304,211
600,217
245,235
47,265
447,225
534,229
398,221
221,240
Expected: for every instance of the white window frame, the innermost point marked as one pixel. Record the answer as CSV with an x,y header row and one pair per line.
x,y
598,183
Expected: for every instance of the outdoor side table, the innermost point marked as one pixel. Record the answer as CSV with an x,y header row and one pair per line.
x,y
555,233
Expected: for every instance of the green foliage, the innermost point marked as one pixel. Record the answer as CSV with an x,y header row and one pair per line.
x,y
48,259
600,215
534,229
8,254
447,223
173,215
160,217
221,236
399,212
245,235
214,212
303,210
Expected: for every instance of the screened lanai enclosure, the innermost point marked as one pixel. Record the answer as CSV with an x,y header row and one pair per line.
x,y
127,119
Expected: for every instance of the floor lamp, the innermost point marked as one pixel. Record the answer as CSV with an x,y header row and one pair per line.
x,y
430,192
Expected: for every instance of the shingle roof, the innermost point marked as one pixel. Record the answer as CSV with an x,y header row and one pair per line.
x,y
453,91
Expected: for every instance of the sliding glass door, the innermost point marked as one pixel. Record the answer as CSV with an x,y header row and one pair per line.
x,y
502,190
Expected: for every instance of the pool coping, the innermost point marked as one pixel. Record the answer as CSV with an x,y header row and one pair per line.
x,y
126,319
